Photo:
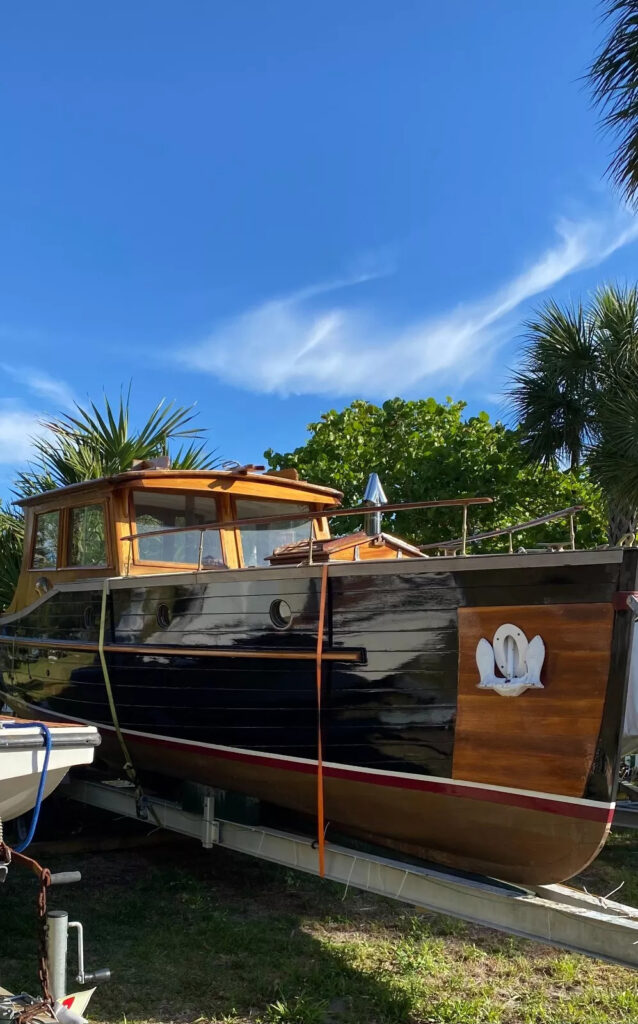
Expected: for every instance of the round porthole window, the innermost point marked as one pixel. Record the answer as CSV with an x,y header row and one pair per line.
x,y
281,614
88,616
163,616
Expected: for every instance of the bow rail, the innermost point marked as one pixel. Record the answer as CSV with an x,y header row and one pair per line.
x,y
564,513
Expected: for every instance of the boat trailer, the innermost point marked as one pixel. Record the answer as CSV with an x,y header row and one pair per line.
x,y
557,915
58,1005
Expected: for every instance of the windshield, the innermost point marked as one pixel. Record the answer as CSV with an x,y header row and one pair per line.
x,y
258,542
156,510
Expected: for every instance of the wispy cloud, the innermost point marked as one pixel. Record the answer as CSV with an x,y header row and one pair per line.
x,y
17,428
41,384
298,345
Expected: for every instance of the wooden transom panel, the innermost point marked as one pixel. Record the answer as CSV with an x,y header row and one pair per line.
x,y
545,739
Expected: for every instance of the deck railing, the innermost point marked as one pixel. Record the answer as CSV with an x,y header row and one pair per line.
x,y
509,531
310,517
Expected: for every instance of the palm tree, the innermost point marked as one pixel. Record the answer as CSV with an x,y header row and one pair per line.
x,y
90,444
11,538
576,396
614,80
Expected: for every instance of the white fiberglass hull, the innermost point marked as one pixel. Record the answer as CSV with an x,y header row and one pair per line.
x,y
22,754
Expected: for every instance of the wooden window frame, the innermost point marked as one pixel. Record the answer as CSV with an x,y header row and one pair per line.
x,y
64,538
34,535
149,492
109,563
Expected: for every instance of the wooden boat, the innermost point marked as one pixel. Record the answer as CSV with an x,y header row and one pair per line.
x,y
22,760
470,707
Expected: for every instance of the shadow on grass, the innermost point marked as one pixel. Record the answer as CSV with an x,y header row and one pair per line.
x,y
192,935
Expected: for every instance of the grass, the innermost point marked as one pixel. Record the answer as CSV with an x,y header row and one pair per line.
x,y
196,936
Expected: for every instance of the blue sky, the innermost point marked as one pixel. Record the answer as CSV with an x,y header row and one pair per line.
x,y
273,208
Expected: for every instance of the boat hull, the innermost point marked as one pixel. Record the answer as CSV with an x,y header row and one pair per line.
x,y
22,763
417,756
516,836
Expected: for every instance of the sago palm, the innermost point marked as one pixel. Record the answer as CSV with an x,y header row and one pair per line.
x,y
576,395
92,443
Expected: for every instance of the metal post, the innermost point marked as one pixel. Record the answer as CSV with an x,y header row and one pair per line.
x,y
511,544
201,549
572,533
57,930
209,825
464,546
310,540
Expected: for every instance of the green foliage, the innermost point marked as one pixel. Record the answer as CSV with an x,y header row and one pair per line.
x,y
614,81
576,395
424,450
11,540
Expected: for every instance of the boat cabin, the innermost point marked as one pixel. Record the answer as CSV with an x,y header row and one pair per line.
x,y
109,527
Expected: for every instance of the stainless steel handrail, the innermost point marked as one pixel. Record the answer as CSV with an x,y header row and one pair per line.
x,y
309,516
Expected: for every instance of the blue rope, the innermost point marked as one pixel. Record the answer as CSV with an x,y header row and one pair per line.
x,y
46,732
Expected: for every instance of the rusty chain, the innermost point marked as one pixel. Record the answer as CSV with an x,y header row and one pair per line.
x,y
45,1006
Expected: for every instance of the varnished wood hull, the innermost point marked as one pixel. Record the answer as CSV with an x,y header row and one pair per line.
x,y
416,756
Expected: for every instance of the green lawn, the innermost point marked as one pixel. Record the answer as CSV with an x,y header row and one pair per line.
x,y
204,936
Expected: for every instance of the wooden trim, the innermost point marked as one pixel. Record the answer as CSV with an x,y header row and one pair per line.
x,y
232,501
229,538
341,654
202,479
545,739
63,538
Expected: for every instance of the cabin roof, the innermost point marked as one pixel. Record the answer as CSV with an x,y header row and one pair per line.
x,y
206,476
323,548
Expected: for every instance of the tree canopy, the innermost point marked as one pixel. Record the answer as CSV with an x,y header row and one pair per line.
x,y
425,450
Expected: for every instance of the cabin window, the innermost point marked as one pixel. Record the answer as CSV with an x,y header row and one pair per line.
x,y
45,549
87,540
259,541
155,510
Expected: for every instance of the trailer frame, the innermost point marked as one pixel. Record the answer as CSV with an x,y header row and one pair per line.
x,y
554,914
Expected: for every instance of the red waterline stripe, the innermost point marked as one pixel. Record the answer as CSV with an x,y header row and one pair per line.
x,y
443,788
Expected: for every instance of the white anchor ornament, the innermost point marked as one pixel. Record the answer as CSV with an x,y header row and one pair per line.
x,y
519,661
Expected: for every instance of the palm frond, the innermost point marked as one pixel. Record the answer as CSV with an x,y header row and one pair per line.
x,y
613,459
93,442
614,81
11,542
552,394
194,457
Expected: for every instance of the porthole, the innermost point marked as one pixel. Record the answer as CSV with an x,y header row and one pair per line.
x,y
281,614
163,616
88,616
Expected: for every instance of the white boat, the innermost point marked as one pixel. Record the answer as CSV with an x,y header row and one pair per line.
x,y
23,754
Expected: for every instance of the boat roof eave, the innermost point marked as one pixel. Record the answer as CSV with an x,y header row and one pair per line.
x,y
206,476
